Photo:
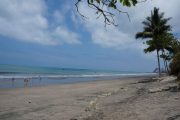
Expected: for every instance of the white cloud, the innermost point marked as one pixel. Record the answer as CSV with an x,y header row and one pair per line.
x,y
25,20
111,37
66,36
58,16
123,36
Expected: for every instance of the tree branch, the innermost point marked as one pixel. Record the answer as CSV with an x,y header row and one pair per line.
x,y
98,6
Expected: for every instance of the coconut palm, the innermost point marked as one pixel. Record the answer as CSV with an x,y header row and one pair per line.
x,y
154,27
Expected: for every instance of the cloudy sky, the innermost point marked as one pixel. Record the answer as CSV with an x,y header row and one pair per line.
x,y
51,33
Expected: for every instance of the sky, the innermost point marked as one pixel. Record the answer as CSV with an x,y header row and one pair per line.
x,y
52,33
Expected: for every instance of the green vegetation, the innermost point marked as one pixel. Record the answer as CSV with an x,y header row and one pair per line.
x,y
156,33
159,38
113,3
167,50
175,65
155,27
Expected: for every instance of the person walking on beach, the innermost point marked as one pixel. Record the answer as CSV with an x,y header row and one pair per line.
x,y
26,82
13,79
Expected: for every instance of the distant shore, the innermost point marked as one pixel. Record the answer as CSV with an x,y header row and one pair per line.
x,y
131,98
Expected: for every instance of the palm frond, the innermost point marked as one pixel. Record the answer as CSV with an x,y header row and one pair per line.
x,y
143,35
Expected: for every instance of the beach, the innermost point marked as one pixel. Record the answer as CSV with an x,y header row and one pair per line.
x,y
89,60
131,98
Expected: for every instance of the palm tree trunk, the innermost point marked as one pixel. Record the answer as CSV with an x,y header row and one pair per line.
x,y
165,62
158,62
167,67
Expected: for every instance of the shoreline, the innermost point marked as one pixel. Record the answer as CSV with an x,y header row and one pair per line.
x,y
127,99
21,83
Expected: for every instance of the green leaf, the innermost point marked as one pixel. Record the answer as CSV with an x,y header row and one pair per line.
x,y
112,5
128,3
98,1
134,2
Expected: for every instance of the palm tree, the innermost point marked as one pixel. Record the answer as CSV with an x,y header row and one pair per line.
x,y
175,46
154,27
167,48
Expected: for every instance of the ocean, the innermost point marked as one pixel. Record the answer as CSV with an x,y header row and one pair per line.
x,y
14,76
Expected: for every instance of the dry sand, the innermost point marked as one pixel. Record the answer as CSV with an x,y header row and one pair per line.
x,y
129,99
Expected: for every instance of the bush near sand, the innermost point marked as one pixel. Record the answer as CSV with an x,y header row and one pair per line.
x,y
175,65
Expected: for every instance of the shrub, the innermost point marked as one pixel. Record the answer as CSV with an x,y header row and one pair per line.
x,y
175,65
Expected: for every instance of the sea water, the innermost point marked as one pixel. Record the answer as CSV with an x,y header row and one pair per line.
x,y
13,76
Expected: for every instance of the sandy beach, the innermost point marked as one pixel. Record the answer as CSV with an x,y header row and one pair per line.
x,y
137,98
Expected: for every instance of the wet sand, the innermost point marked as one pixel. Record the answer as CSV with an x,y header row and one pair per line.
x,y
138,98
